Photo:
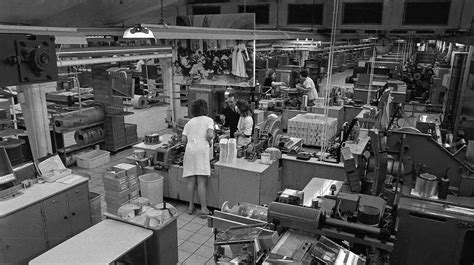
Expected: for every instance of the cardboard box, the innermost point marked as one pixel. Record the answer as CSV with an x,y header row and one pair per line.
x,y
123,194
114,184
117,201
116,173
131,170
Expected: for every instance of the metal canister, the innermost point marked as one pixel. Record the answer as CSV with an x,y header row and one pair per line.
x,y
426,185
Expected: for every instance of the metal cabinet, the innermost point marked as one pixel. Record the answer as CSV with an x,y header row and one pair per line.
x,y
22,236
66,214
41,218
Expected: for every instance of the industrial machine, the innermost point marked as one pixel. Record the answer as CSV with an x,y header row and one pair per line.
x,y
326,215
27,59
269,134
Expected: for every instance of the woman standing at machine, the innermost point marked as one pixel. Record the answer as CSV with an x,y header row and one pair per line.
x,y
245,125
197,135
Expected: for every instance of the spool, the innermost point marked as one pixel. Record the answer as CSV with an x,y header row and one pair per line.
x,y
88,136
152,139
139,102
81,137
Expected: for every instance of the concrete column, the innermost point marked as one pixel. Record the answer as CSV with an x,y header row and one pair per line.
x,y
33,105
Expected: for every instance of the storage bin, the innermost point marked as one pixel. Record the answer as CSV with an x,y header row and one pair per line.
x,y
151,187
93,159
96,210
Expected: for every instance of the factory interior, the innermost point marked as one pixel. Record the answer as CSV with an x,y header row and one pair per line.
x,y
315,132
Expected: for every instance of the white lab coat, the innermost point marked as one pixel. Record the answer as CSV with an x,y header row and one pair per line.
x,y
198,152
244,126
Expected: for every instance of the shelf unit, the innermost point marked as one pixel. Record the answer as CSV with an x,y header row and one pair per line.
x,y
65,150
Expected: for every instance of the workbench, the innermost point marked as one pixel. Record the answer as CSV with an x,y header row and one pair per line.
x,y
103,243
42,217
245,181
178,189
296,174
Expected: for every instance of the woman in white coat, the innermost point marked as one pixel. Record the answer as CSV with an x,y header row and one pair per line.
x,y
245,125
197,135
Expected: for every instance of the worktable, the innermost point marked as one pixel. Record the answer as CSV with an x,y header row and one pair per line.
x,y
42,217
32,195
103,243
296,173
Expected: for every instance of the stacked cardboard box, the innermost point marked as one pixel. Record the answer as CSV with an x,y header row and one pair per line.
x,y
309,127
120,185
110,87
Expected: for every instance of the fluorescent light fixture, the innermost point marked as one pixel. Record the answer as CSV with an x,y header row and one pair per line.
x,y
138,32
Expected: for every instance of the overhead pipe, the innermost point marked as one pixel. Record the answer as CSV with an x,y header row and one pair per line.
x,y
93,51
63,63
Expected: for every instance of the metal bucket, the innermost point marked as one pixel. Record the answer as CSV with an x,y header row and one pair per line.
x,y
426,185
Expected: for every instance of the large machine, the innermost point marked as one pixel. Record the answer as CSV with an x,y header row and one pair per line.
x,y
379,223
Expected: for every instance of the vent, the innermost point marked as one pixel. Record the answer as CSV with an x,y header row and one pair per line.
x,y
305,14
262,13
324,31
370,31
425,32
399,31
362,13
348,31
206,10
427,13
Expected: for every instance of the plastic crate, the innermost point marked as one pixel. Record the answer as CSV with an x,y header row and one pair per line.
x,y
93,159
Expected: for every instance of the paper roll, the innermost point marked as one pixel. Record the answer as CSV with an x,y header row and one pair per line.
x,y
139,102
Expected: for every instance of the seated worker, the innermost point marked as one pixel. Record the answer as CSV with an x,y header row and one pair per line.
x,y
245,125
270,79
308,87
230,115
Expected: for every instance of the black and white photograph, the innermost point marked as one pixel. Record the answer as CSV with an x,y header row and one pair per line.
x,y
246,132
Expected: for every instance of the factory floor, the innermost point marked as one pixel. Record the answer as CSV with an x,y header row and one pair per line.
x,y
195,240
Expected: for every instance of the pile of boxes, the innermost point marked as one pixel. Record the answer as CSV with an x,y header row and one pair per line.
x,y
121,186
309,127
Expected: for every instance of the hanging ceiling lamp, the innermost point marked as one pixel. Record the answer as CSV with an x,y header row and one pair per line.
x,y
138,32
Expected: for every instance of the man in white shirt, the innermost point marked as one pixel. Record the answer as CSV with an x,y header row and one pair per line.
x,y
308,87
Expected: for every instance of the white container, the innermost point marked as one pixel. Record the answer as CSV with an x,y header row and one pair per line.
x,y
223,150
265,158
93,159
231,150
151,187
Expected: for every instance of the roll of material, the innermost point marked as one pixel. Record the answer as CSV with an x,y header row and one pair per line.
x,y
139,102
88,136
78,117
152,139
368,215
305,101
